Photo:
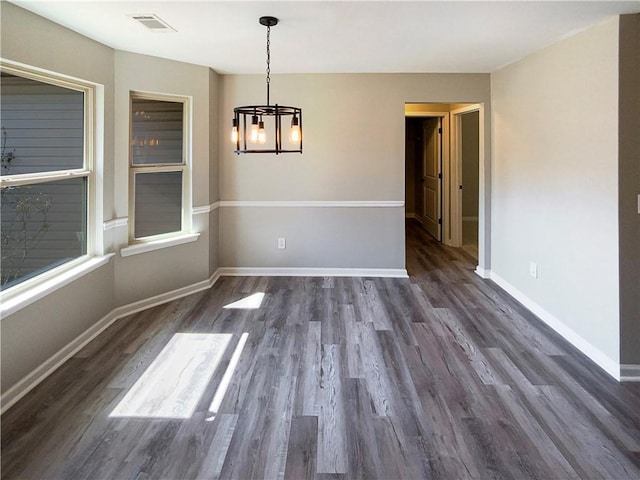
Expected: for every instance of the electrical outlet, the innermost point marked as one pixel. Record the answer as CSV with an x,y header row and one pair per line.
x,y
282,243
533,269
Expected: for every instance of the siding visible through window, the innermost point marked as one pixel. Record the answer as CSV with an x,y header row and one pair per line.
x,y
44,224
158,166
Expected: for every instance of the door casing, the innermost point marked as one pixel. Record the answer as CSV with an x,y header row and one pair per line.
x,y
451,168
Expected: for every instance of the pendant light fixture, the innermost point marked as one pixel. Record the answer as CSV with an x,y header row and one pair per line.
x,y
249,134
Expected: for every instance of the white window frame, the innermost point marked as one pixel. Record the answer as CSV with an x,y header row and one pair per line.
x,y
30,290
143,244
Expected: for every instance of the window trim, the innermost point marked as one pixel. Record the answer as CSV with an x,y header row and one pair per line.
x,y
29,290
184,167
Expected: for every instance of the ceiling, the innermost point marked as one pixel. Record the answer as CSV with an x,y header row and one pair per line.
x,y
335,36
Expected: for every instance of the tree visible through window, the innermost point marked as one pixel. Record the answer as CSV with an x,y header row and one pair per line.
x,y
44,177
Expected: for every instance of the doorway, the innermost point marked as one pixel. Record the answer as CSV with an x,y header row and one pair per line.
x,y
444,195
424,172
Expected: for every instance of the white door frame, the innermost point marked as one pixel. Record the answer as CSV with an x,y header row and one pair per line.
x,y
456,164
444,116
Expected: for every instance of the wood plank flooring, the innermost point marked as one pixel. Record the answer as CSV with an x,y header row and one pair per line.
x,y
441,375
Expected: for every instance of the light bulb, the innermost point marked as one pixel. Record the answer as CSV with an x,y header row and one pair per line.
x,y
262,136
234,131
294,133
253,135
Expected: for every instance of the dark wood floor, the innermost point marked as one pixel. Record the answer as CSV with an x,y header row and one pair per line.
x,y
438,376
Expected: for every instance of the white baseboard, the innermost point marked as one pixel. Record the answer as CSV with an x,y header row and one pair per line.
x,y
311,272
629,373
607,364
24,386
156,300
483,273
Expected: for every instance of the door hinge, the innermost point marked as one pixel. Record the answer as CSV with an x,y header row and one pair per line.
x,y
460,187
440,175
440,130
439,221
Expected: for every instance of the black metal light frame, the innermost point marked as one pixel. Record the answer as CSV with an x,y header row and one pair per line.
x,y
240,115
291,114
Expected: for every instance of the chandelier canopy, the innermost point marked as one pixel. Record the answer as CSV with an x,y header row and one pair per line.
x,y
251,123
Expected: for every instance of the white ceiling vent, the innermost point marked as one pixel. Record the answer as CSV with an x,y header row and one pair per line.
x,y
152,22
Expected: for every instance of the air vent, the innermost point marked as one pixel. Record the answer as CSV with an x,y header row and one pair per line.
x,y
152,22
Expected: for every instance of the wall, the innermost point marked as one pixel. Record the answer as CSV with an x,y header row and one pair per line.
x,y
555,186
145,275
42,331
33,334
214,171
353,151
629,181
410,168
470,167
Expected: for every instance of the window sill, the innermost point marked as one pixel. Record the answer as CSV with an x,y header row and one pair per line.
x,y
138,248
17,300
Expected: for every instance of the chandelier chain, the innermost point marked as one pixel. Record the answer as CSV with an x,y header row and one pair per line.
x,y
268,60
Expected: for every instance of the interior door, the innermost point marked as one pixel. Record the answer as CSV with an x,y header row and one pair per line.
x,y
432,177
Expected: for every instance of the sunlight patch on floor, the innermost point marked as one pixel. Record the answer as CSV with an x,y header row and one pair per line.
x,y
226,379
173,384
251,302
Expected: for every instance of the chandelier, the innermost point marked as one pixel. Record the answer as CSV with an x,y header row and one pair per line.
x,y
258,128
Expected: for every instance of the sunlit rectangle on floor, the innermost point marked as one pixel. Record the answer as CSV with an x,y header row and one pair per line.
x,y
248,303
175,381
226,379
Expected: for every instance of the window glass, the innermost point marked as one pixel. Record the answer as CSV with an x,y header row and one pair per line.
x,y
158,203
156,132
158,166
42,126
44,214
43,225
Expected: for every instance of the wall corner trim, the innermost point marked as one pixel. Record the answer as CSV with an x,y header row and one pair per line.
x,y
205,208
596,355
115,223
482,273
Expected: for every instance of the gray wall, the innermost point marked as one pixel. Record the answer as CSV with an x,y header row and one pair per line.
x,y
470,166
35,333
410,168
629,178
555,182
354,149
214,170
142,276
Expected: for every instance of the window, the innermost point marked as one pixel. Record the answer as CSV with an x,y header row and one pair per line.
x,y
158,159
46,176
